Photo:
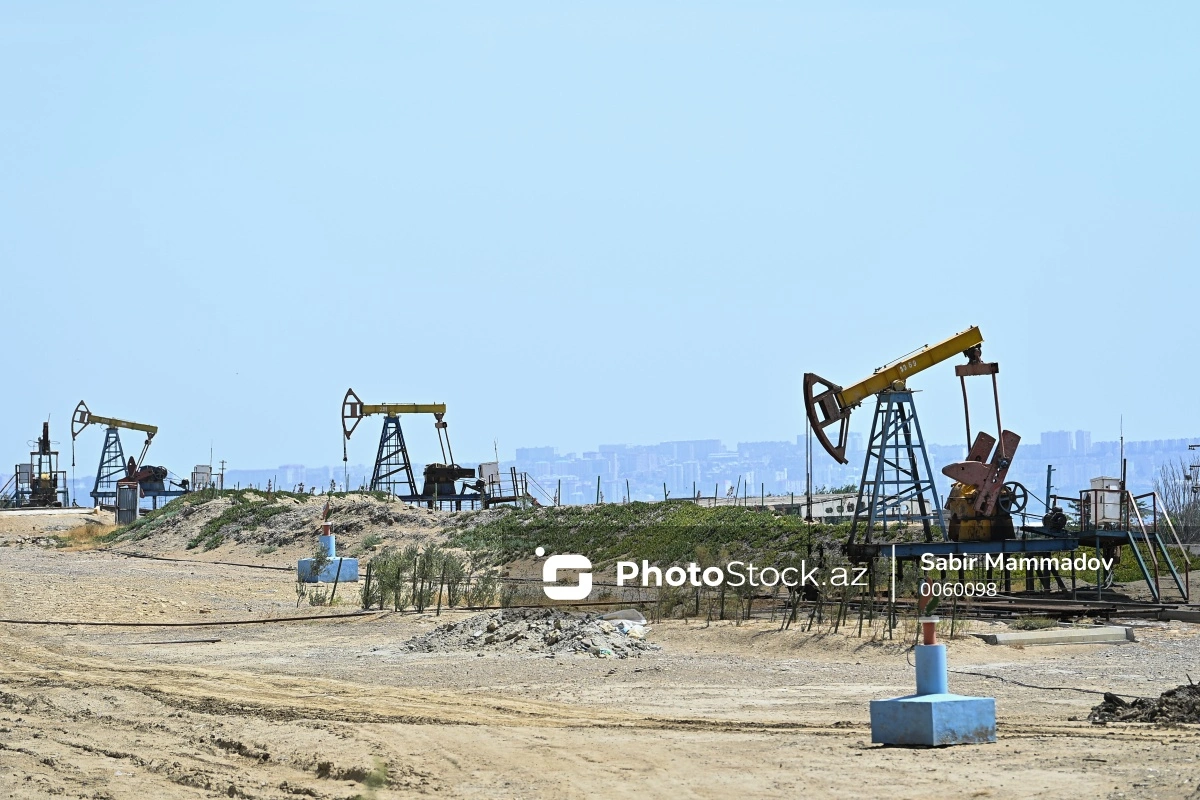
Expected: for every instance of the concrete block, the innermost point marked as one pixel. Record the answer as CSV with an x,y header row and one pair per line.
x,y
349,573
1100,634
933,720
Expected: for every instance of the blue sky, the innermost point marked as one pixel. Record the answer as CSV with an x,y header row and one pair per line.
x,y
578,224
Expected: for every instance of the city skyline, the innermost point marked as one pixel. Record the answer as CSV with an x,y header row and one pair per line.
x,y
773,466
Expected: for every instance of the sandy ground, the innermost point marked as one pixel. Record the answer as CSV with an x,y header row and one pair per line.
x,y
29,524
336,708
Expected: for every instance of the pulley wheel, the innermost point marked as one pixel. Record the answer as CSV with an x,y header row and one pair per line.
x,y
1013,498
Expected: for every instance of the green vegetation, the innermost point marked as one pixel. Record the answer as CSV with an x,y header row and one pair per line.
x,y
369,542
421,578
144,525
1032,623
660,532
245,513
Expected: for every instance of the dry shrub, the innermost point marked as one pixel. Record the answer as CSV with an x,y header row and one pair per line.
x,y
85,537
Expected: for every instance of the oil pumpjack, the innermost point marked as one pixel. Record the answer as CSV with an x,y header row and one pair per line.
x,y
393,472
897,481
113,467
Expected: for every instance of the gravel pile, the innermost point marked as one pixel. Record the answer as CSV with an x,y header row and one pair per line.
x,y
543,631
1181,704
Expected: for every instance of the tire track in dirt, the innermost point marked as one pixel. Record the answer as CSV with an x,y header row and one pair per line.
x,y
286,698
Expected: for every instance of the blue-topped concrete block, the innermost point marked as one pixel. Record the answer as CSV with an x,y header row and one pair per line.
x,y
933,717
349,571
933,720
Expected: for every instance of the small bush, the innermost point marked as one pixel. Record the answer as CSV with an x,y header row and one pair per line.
x,y
481,592
1032,622
85,537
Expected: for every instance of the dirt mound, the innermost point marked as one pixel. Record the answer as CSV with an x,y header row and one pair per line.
x,y
544,631
1181,704
202,523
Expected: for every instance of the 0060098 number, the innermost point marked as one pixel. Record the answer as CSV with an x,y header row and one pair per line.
x,y
979,589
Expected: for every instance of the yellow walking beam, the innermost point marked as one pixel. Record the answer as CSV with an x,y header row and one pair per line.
x,y
923,359
354,409
832,404
83,417
395,409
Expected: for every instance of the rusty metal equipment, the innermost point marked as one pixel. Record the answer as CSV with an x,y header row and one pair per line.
x,y
393,472
40,483
981,503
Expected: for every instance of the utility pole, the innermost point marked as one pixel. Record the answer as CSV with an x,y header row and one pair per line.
x,y
1193,473
221,478
808,470
1049,488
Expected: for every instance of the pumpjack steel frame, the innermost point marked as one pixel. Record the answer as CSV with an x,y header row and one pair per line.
x,y
113,468
392,460
896,473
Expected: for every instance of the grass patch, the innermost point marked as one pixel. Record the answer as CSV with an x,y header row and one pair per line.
x,y
142,527
1127,570
1032,622
86,537
659,532
249,509
244,513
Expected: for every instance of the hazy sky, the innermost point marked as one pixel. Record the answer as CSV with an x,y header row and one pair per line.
x,y
586,223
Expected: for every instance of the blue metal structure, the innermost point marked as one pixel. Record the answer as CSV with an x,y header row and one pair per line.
x,y
897,480
914,550
1136,526
393,474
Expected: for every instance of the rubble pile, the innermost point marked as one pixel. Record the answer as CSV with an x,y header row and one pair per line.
x,y
1178,705
539,630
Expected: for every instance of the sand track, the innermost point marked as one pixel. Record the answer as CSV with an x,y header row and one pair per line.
x,y
342,709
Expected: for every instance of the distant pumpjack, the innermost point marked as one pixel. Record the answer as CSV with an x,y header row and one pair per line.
x,y
393,471
113,466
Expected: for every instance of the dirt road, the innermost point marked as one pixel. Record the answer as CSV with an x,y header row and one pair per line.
x,y
338,708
